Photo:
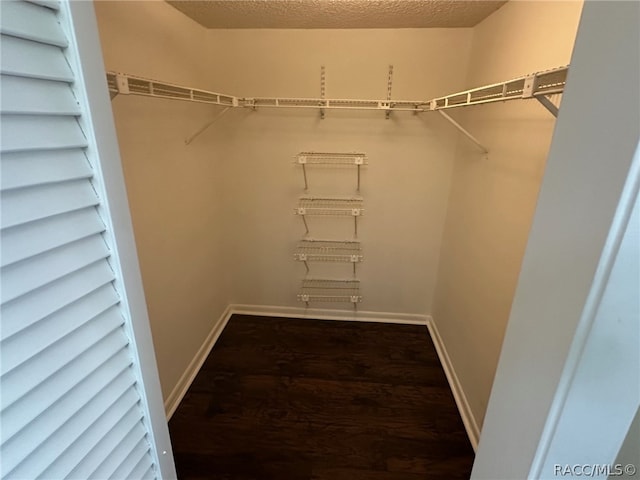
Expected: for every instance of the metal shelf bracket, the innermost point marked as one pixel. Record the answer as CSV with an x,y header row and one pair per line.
x,y
464,131
548,104
191,138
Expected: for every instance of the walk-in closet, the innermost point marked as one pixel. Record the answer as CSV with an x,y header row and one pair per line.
x,y
330,204
424,221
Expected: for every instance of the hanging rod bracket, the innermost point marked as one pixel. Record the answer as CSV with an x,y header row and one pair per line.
x,y
548,104
464,131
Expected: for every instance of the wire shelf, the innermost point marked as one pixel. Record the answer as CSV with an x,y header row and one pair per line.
x,y
330,206
330,290
337,251
537,84
328,159
132,85
548,82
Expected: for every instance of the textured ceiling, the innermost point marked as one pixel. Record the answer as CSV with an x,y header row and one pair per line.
x,y
337,13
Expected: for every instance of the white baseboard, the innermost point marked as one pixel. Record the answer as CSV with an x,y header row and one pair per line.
x,y
468,419
179,391
328,314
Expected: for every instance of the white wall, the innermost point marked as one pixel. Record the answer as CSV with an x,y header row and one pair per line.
x,y
405,185
588,163
173,189
493,198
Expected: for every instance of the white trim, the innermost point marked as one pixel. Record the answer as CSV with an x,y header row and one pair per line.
x,y
328,314
185,381
469,420
610,254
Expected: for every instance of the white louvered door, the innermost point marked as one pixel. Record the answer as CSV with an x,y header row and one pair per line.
x,y
74,398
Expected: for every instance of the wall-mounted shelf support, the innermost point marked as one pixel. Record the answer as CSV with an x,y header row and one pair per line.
x,y
331,160
464,131
389,85
191,138
548,104
330,207
322,89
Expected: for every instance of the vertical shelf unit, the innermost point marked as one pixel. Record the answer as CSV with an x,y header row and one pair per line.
x,y
336,251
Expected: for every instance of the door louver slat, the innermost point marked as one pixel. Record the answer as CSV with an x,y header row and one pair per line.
x,y
29,309
60,354
22,277
36,97
28,21
20,349
29,169
99,448
29,59
40,132
45,395
44,439
49,233
25,205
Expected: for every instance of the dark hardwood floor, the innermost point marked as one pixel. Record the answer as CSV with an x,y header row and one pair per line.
x,y
308,399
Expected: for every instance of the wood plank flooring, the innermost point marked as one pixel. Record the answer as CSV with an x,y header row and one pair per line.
x,y
300,399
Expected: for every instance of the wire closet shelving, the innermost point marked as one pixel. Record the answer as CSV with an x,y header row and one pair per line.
x,y
330,290
330,207
327,159
538,85
329,251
